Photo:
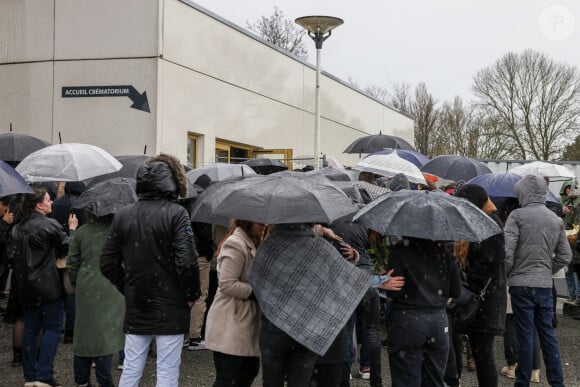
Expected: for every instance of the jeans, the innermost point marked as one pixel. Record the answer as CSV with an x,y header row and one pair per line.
x,y
168,359
70,313
454,359
484,356
367,320
534,307
235,371
49,318
103,364
572,282
418,346
283,357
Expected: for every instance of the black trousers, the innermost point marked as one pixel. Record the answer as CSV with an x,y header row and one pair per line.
x,y
418,347
283,357
235,371
484,356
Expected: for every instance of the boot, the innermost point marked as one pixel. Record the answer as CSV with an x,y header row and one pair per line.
x,y
535,376
470,360
16,357
509,371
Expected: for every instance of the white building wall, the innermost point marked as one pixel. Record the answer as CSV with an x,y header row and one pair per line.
x,y
201,74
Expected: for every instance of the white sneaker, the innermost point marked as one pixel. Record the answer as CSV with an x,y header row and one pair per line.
x,y
196,344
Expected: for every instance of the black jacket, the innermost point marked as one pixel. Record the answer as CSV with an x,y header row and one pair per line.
x,y
486,260
150,256
431,274
33,247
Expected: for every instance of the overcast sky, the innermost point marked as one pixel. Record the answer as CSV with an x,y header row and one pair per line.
x,y
440,42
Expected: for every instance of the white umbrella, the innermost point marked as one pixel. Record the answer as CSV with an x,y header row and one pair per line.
x,y
67,162
390,165
542,168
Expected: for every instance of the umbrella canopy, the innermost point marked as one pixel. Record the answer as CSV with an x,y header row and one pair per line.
x,y
220,171
429,215
11,182
501,185
373,191
377,142
542,168
108,197
201,210
67,162
130,166
417,158
277,200
330,173
15,147
456,168
389,165
265,166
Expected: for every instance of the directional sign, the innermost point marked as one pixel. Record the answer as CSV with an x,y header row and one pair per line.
x,y
139,100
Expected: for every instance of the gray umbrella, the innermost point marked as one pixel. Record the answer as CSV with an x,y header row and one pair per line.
x,y
279,199
428,215
108,197
330,173
15,147
220,171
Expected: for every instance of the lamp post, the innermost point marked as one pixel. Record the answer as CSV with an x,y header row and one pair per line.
x,y
319,29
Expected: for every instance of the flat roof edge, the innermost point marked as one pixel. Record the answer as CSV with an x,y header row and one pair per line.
x,y
286,53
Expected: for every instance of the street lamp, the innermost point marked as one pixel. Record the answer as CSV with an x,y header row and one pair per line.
x,y
319,29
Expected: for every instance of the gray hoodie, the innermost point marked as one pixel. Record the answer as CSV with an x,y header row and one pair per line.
x,y
535,240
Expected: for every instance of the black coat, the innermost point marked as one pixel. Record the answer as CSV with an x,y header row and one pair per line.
x,y
33,247
431,274
150,257
486,260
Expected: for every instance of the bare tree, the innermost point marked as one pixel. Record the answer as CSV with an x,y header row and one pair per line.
x,y
536,99
281,32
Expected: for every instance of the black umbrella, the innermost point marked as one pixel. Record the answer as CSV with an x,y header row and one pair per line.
x,y
15,147
428,215
377,142
455,168
279,199
131,165
265,166
108,197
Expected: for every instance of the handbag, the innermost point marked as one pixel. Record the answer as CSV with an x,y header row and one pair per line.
x,y
464,308
69,288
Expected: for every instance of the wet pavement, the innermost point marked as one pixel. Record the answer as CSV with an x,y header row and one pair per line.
x,y
197,366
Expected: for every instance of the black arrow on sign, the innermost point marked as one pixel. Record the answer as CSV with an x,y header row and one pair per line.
x,y
139,100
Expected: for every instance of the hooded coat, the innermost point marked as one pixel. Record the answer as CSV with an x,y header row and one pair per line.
x,y
485,260
150,255
572,201
535,241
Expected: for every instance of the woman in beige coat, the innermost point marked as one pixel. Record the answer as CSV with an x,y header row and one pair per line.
x,y
233,320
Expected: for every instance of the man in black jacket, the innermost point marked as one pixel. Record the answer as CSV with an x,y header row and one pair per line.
x,y
150,257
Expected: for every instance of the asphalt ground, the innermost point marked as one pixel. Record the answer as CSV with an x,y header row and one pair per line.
x,y
197,366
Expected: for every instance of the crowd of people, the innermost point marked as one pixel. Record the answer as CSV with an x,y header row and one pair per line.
x,y
292,300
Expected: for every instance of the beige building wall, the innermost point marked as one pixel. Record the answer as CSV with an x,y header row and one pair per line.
x,y
202,75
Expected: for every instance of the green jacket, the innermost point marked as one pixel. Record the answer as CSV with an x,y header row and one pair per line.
x,y
100,308
572,201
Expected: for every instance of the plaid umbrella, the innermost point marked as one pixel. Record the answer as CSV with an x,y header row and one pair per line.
x,y
306,288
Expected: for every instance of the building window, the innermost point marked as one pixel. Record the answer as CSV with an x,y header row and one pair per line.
x,y
192,141
232,153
